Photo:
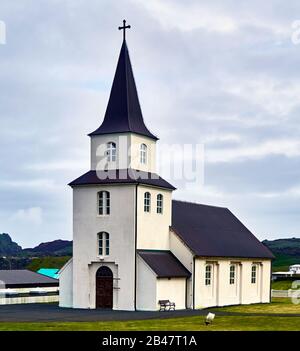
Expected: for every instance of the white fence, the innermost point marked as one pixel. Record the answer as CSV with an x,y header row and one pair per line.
x,y
28,299
29,295
281,293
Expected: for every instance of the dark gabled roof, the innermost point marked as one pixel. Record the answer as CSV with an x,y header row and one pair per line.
x,y
23,278
164,264
121,176
123,113
215,232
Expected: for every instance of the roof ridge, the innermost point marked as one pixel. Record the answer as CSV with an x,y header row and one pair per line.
x,y
126,81
199,204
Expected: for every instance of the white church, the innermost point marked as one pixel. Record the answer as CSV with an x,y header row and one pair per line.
x,y
133,245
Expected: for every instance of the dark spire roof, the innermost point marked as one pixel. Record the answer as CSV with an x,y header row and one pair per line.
x,y
123,113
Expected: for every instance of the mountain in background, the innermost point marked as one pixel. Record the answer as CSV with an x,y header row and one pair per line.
x,y
286,251
53,254
8,247
52,248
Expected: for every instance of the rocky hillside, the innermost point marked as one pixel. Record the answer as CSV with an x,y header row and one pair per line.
x,y
8,247
52,248
51,254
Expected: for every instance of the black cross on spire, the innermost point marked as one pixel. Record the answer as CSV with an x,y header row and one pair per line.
x,y
124,28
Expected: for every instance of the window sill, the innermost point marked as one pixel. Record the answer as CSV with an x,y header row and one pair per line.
x,y
101,216
101,258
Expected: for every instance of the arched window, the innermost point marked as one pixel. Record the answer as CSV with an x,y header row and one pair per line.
x,y
104,271
103,203
253,273
111,152
103,244
143,153
232,274
208,274
159,208
147,202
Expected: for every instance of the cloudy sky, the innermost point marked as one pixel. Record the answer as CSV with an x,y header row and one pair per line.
x,y
220,73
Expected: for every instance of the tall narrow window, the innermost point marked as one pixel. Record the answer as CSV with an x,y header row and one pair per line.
x,y
111,152
100,243
143,153
103,244
159,208
253,274
107,244
232,274
103,203
208,271
147,202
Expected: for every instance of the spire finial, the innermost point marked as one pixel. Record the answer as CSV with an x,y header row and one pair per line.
x,y
124,29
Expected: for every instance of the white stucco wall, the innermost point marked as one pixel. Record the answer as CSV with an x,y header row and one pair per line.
x,y
153,227
221,292
146,287
152,289
172,289
185,256
66,285
128,152
120,225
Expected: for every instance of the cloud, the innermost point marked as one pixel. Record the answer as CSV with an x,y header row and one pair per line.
x,y
31,216
65,165
219,73
176,15
287,148
37,184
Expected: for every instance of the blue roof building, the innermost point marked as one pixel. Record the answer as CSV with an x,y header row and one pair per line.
x,y
49,272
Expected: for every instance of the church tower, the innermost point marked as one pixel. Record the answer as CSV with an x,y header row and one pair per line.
x,y
123,126
120,206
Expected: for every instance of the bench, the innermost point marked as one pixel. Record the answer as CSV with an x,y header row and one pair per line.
x,y
166,305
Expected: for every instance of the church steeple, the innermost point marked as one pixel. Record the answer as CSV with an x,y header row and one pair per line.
x,y
123,113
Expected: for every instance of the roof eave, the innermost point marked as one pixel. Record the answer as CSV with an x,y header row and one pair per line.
x,y
150,135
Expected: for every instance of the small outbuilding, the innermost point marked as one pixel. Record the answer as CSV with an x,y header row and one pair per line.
x,y
24,286
49,272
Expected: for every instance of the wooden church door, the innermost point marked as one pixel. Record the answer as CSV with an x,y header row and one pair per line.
x,y
104,288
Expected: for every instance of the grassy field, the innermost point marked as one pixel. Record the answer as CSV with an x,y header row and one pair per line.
x,y
278,305
226,323
48,261
282,285
283,261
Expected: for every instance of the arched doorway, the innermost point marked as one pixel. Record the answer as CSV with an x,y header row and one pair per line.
x,y
104,288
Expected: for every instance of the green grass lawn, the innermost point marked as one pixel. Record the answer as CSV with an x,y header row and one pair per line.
x,y
236,323
278,305
195,323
